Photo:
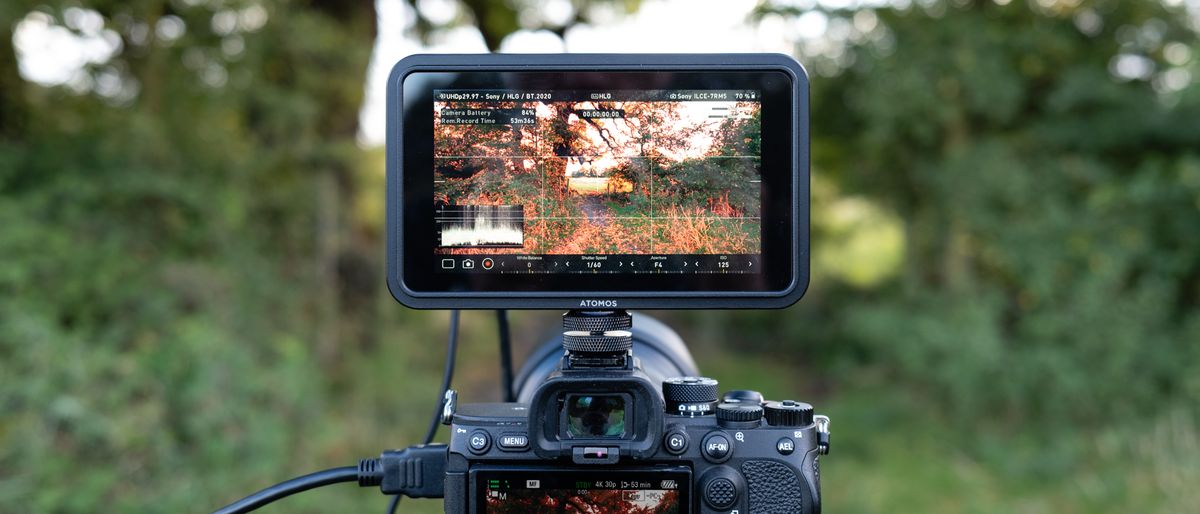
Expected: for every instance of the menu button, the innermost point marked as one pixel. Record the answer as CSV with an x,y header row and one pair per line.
x,y
513,441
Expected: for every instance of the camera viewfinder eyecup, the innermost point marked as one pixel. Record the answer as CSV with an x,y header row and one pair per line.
x,y
598,406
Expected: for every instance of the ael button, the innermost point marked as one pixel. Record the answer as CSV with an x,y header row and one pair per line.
x,y
717,448
479,442
785,446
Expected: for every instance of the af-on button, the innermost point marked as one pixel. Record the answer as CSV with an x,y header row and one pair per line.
x,y
716,447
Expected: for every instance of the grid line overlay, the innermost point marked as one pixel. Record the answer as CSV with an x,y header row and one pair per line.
x,y
543,155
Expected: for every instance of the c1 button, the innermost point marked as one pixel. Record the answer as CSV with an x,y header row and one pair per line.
x,y
785,446
717,448
676,442
479,441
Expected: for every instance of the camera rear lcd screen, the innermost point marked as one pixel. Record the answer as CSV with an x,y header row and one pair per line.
x,y
555,491
599,181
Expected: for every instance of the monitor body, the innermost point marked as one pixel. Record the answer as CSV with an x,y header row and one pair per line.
x,y
598,181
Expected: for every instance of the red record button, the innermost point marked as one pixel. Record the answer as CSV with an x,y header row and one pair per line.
x,y
488,263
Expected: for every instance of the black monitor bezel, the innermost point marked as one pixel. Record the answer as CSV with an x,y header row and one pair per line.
x,y
413,277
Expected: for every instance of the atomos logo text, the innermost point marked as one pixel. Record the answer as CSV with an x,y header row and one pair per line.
x,y
597,303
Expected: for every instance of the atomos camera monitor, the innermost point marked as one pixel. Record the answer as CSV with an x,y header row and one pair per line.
x,y
599,181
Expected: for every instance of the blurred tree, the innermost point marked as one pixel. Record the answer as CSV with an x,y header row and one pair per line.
x,y
145,213
1044,158
179,256
181,275
496,20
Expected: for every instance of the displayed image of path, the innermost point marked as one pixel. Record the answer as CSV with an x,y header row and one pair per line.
x,y
673,175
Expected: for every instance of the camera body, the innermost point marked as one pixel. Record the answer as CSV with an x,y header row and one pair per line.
x,y
604,434
750,467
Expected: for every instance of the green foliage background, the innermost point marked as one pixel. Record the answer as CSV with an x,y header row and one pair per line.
x,y
1006,271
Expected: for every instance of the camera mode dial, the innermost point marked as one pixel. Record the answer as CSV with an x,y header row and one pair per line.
x,y
788,413
690,396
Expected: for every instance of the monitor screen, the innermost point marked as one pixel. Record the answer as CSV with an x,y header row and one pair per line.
x,y
597,181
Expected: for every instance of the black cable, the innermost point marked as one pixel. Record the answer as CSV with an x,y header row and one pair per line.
x,y
290,487
506,367
451,354
367,472
447,376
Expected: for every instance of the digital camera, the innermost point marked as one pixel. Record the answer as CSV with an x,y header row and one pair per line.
x,y
607,432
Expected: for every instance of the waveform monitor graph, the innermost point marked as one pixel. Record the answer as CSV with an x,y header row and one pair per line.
x,y
481,226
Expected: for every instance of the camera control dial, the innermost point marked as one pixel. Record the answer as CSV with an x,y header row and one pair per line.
x,y
690,396
739,413
788,413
